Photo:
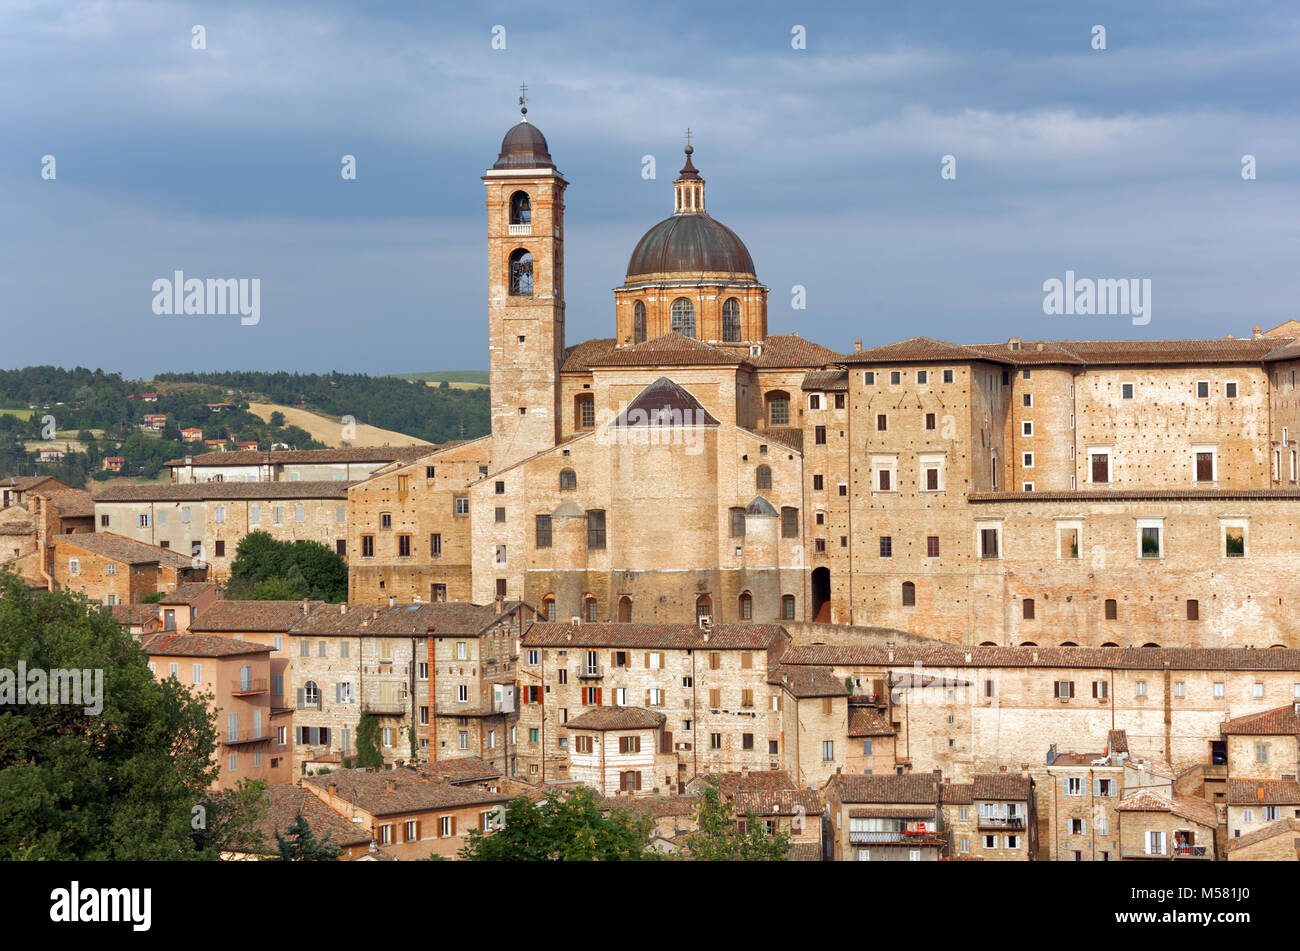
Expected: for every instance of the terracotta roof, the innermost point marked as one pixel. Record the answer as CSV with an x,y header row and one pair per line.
x,y
672,349
16,528
286,801
71,503
1003,786
1117,741
790,436
414,789
887,788
1264,792
122,549
1282,721
1289,827
658,807
188,592
780,802
867,721
1188,807
1030,352
766,781
664,403
957,794
1126,352
1107,495
200,491
617,718
804,852
1115,658
252,457
576,357
171,644
26,483
463,769
808,682
129,614
835,380
237,617
919,350
441,617
676,636
921,811
793,351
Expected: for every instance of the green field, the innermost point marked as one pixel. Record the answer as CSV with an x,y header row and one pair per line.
x,y
23,413
471,377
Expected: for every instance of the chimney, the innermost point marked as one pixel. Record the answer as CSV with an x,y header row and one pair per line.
x,y
1258,331
343,608
500,605
334,789
857,346
392,785
305,609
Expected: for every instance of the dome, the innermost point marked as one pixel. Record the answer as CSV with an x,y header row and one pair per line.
x,y
693,243
524,147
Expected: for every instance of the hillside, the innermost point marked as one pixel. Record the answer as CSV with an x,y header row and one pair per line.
x,y
329,431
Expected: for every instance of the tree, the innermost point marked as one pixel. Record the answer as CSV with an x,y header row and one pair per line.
x,y
277,419
231,819
299,844
307,570
718,837
568,828
368,754
119,784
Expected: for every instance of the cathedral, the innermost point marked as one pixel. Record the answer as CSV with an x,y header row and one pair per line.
x,y
693,465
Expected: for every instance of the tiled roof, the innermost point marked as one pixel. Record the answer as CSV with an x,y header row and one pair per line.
x,y
1112,658
26,483
958,794
617,718
71,503
672,349
188,592
576,357
1117,741
1290,827
1188,807
1003,786
237,617
129,614
658,807
664,403
442,617
766,781
289,800
1264,792
463,769
414,789
804,852
834,380
780,802
122,549
252,457
808,682
793,351
867,721
674,636
887,788
197,645
1126,352
1030,352
201,491
1115,495
1282,721
918,350
791,436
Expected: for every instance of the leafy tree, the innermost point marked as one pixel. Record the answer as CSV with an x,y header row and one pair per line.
x,y
718,837
277,418
231,818
153,597
299,844
275,589
368,753
571,828
308,569
117,785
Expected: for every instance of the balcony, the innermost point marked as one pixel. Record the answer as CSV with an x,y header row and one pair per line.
x,y
1192,852
246,688
867,700
524,229
1009,824
385,708
240,737
591,671
895,838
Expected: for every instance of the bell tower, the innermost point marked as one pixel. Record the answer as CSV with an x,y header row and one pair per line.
x,y
525,217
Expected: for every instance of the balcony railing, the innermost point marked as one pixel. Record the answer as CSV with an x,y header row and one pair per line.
x,y
892,838
1011,823
1191,852
236,737
524,229
591,671
243,688
385,708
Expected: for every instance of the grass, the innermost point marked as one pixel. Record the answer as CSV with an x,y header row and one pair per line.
x,y
21,413
468,379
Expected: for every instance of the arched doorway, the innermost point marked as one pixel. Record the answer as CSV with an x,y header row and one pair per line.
x,y
821,594
625,609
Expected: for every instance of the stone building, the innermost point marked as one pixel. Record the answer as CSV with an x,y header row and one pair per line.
x,y
1156,826
108,568
348,464
889,818
992,819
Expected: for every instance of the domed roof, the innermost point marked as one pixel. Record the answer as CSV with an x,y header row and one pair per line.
x,y
691,242
524,147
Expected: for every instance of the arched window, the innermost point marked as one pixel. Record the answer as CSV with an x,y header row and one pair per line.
x,y
703,607
778,409
763,477
909,594
787,607
1069,644
1110,644
589,607
568,480
987,644
746,607
311,694
684,317
638,322
521,209
1151,644
625,609
548,608
521,273
731,320
1028,644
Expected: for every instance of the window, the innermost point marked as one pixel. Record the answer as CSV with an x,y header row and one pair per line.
x,y
828,751
638,322
74,566
521,273
1100,689
909,594
895,377
461,506
737,522
1027,400
1234,540
1126,391
1112,609
1203,389
789,522
1204,465
1073,786
1193,609
947,376
403,546
989,542
521,212
1027,609
142,521
763,477
1027,428
746,607
1100,466
1027,460
932,546
882,423
922,376
683,317
731,320
1151,538
591,608
886,546
1218,691
543,531
869,378
1140,688
819,435
1064,689
1257,691
884,478
778,410
596,530
586,412
568,480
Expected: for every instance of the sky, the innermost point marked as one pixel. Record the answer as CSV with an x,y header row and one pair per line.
x,y
827,160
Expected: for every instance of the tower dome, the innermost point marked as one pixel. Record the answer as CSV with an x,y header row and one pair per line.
x,y
524,145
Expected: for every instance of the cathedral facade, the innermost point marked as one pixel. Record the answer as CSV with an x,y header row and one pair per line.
x,y
695,465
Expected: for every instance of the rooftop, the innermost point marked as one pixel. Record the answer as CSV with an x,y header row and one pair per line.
x,y
122,549
201,491
253,457
750,637
253,617
171,644
617,718
1086,658
1281,721
1187,807
407,789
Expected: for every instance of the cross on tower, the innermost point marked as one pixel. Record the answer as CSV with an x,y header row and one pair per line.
x,y
523,93
688,135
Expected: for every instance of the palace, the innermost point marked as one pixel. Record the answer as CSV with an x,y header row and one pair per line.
x,y
1043,493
